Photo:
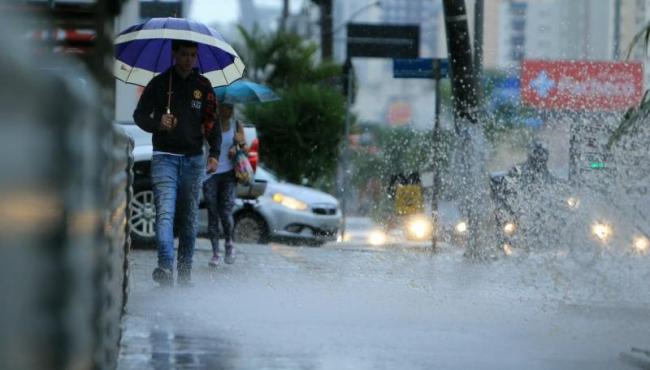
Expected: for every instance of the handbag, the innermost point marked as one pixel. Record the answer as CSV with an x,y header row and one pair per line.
x,y
243,170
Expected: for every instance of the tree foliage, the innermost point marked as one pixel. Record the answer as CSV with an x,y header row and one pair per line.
x,y
301,133
284,60
634,117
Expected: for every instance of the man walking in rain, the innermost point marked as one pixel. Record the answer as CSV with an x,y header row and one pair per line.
x,y
178,107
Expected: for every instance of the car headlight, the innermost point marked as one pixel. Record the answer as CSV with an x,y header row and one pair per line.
x,y
601,231
641,244
289,202
573,202
509,228
346,237
461,227
419,227
377,237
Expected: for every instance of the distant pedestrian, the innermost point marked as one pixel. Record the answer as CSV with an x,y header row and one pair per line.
x,y
219,189
178,107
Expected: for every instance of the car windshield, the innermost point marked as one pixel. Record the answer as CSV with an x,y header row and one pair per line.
x,y
265,175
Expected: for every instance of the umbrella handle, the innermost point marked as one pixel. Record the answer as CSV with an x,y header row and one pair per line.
x,y
169,95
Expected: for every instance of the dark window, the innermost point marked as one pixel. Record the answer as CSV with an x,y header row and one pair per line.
x,y
517,40
517,54
518,24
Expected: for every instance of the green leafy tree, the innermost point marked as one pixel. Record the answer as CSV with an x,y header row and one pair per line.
x,y
301,133
284,60
635,118
256,50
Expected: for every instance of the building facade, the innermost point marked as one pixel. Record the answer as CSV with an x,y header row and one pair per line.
x,y
556,29
512,32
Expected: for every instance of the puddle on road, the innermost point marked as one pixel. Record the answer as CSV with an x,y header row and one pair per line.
x,y
161,349
166,349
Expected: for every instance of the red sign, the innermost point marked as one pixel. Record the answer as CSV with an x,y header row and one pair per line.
x,y
399,113
581,85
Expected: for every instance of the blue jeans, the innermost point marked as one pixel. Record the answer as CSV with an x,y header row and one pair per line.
x,y
219,192
176,185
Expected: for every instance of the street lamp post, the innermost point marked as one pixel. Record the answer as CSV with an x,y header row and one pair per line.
x,y
328,30
617,29
479,11
355,14
349,81
349,72
437,155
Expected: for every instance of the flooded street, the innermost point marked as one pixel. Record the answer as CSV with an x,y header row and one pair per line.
x,y
352,306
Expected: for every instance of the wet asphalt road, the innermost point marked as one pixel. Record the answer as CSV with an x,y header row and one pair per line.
x,y
353,306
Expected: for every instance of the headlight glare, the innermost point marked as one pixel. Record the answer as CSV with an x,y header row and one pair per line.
x,y
289,202
601,231
461,227
346,237
641,244
509,228
377,237
419,227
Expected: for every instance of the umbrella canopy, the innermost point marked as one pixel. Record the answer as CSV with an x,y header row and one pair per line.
x,y
145,50
243,91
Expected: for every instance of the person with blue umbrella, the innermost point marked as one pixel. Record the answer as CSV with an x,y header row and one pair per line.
x,y
244,91
180,62
219,189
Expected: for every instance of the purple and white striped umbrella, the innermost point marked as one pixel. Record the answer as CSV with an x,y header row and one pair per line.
x,y
144,51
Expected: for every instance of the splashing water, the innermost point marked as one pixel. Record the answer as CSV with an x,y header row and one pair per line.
x,y
468,171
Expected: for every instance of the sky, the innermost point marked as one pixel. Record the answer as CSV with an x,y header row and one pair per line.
x,y
227,11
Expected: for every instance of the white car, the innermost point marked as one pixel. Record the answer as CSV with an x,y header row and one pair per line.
x,y
287,213
284,212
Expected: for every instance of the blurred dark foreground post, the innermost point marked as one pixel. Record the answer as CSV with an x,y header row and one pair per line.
x,y
65,176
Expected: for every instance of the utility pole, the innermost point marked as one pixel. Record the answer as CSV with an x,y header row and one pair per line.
x,y
463,78
617,29
479,11
285,15
348,71
437,157
468,149
326,31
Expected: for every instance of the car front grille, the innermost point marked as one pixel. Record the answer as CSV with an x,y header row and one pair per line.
x,y
325,211
311,231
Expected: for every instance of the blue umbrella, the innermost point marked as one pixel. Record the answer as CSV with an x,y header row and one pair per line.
x,y
243,91
144,51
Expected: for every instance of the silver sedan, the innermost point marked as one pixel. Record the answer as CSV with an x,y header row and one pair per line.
x,y
287,213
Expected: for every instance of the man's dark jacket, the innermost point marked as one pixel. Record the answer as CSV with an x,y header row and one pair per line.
x,y
193,103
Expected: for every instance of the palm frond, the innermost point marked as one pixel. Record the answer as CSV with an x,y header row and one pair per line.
x,y
633,117
644,34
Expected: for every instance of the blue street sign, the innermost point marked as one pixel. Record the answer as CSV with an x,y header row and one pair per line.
x,y
419,68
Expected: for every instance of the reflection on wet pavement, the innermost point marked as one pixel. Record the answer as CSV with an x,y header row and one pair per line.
x,y
354,307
